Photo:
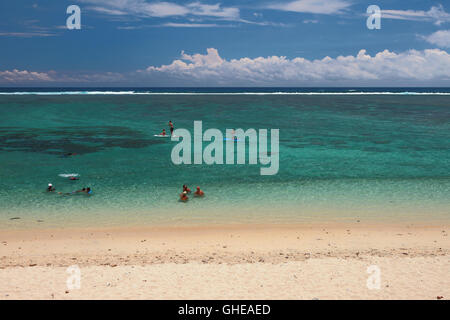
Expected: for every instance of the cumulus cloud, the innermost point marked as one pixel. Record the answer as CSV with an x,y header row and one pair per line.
x,y
430,66
211,68
440,38
312,6
437,14
15,76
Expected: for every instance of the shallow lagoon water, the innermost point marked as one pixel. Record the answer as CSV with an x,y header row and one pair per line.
x,y
342,157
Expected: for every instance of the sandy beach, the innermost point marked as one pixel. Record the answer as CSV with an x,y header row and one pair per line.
x,y
315,261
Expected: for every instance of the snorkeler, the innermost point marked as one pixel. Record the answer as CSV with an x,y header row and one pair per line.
x,y
186,189
78,191
70,154
84,190
50,188
171,128
183,196
199,193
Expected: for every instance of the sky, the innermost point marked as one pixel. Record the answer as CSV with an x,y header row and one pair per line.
x,y
247,43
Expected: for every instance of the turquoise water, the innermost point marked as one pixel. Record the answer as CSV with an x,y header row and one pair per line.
x,y
342,158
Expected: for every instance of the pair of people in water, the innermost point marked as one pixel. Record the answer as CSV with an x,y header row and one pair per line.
x,y
51,188
186,190
87,191
163,133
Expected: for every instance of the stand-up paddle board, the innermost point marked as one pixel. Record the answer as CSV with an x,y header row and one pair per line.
x,y
166,136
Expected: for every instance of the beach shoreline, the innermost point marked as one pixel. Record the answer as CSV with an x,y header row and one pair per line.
x,y
297,261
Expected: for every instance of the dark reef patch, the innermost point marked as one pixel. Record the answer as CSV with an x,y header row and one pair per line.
x,y
79,140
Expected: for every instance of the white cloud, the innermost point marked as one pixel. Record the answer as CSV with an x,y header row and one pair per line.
x,y
431,66
142,8
105,77
437,14
192,25
310,21
413,65
312,6
23,76
113,12
440,38
129,27
16,77
215,10
27,34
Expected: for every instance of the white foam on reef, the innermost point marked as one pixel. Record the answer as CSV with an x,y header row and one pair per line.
x,y
55,93
67,175
220,93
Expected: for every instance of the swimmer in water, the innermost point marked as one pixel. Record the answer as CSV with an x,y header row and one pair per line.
x,y
50,188
74,178
70,154
183,196
84,190
199,193
185,188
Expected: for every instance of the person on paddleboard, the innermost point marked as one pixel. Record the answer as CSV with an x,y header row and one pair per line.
x,y
171,128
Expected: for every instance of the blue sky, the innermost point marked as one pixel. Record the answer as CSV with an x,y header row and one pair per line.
x,y
225,43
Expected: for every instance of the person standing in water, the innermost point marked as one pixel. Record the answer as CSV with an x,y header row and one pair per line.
x,y
171,128
50,188
185,188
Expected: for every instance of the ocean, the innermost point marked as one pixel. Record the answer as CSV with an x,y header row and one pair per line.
x,y
345,154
